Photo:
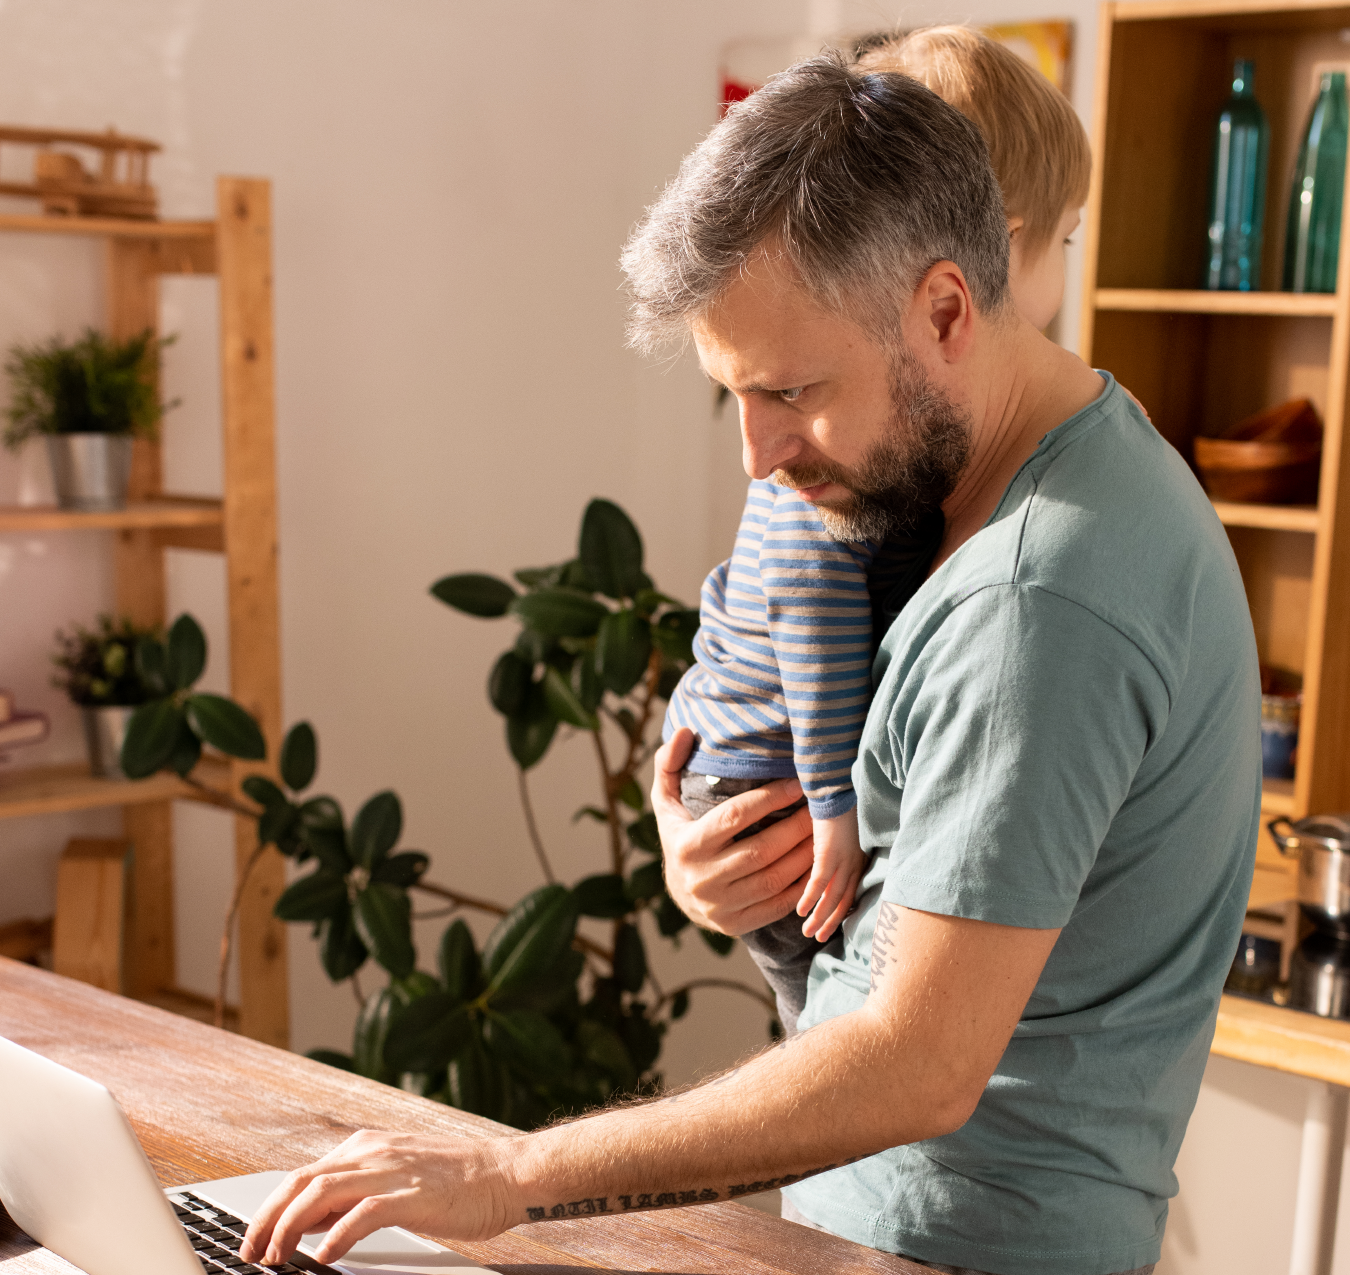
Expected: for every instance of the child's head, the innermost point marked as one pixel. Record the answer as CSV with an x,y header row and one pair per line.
x,y
1037,145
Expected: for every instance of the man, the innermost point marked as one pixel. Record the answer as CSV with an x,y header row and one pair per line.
x,y
1059,778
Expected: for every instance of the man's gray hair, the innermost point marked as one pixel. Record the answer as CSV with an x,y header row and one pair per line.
x,y
862,181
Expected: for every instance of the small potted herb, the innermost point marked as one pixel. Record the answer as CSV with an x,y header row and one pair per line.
x,y
89,399
100,672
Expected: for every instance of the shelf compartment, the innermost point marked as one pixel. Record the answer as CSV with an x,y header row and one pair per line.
x,y
1277,797
1269,517
168,512
41,790
1284,1039
1197,301
107,227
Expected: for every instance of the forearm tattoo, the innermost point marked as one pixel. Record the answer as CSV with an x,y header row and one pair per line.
x,y
594,1206
883,939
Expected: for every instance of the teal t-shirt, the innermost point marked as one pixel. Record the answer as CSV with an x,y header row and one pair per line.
x,y
1065,733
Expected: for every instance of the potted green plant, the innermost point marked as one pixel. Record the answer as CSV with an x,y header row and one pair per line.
x,y
89,399
100,672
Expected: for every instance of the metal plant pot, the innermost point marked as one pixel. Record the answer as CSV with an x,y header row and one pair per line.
x,y
91,471
104,731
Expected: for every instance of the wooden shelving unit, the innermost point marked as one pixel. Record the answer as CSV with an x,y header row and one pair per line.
x,y
236,248
1200,360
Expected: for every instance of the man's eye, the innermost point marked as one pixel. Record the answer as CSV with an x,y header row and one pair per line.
x,y
792,395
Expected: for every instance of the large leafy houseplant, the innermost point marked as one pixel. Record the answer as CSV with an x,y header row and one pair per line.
x,y
541,1020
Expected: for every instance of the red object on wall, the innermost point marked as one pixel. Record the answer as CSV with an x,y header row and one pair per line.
x,y
734,92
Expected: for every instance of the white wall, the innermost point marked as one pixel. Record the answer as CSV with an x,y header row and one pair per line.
x,y
452,184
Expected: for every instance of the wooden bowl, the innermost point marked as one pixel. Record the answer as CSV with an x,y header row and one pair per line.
x,y
1272,458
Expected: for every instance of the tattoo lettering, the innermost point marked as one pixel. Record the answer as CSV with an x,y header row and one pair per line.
x,y
773,1184
667,1199
573,1208
882,938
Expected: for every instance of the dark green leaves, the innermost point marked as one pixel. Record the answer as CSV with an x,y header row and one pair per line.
x,y
560,612
226,726
630,959
529,733
529,938
475,594
720,943
611,550
602,896
376,828
299,756
509,684
525,1038
185,655
340,948
563,703
623,650
674,634
151,736
383,917
646,882
459,962
312,898
428,1034
644,835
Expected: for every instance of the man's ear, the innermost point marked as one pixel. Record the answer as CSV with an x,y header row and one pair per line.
x,y
1014,225
946,311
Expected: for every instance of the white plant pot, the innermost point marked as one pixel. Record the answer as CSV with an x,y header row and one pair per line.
x,y
91,471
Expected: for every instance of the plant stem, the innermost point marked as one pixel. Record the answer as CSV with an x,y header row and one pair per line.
x,y
729,984
357,992
534,829
215,797
227,935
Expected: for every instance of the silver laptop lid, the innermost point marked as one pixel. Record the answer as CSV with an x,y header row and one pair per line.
x,y
73,1176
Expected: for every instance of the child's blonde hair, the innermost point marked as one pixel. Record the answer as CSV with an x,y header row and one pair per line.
x,y
1037,145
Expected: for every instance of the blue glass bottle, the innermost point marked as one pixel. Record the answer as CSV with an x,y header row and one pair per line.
x,y
1313,239
1237,191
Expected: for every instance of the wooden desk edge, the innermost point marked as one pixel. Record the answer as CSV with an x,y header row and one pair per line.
x,y
1283,1040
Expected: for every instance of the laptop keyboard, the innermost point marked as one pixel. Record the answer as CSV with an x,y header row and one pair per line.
x,y
216,1235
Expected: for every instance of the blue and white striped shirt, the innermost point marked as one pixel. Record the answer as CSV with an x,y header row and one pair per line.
x,y
784,672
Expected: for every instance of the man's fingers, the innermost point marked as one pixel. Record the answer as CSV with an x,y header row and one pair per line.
x,y
361,1220
327,1196
738,813
259,1231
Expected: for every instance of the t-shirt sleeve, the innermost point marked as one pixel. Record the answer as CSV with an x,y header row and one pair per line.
x,y
1025,719
819,616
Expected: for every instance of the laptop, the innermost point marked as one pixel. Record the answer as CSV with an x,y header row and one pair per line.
x,y
73,1176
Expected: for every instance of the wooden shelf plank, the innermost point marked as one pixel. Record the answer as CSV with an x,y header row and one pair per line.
x,y
169,512
1283,1039
41,790
1198,301
1277,797
112,227
1234,513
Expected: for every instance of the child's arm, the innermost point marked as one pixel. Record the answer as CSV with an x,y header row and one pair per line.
x,y
834,878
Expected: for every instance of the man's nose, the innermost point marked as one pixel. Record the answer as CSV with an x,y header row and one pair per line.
x,y
768,442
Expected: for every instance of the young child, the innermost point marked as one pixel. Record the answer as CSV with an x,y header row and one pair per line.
x,y
791,622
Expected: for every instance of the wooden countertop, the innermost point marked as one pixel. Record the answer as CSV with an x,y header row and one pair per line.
x,y
1283,1039
206,1104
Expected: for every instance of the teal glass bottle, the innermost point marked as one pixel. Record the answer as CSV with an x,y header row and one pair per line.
x,y
1313,238
1237,189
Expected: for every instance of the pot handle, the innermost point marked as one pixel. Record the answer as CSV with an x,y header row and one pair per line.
x,y
1288,843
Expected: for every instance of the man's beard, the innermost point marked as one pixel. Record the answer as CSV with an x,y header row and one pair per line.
x,y
907,474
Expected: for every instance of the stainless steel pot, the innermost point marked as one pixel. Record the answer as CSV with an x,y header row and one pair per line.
x,y
1322,845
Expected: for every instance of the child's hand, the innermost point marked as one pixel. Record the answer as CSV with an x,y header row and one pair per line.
x,y
834,878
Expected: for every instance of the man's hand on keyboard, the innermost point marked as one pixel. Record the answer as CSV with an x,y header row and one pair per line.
x,y
449,1188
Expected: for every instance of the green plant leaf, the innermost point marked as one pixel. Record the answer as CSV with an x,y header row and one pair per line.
x,y
376,829
262,790
644,835
674,635
185,654
529,734
534,648
575,576
427,1034
610,549
277,823
631,796
563,702
529,938
540,577
630,959
591,812
331,1058
623,649
150,660
152,734
226,726
526,1039
328,844
646,882
313,898
720,943
299,756
476,1082
560,612
669,680
383,915
509,683
372,1028
602,896
669,919
590,689
474,594
553,992
458,962
641,1036
187,750
403,869
340,948
679,1005
603,1048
